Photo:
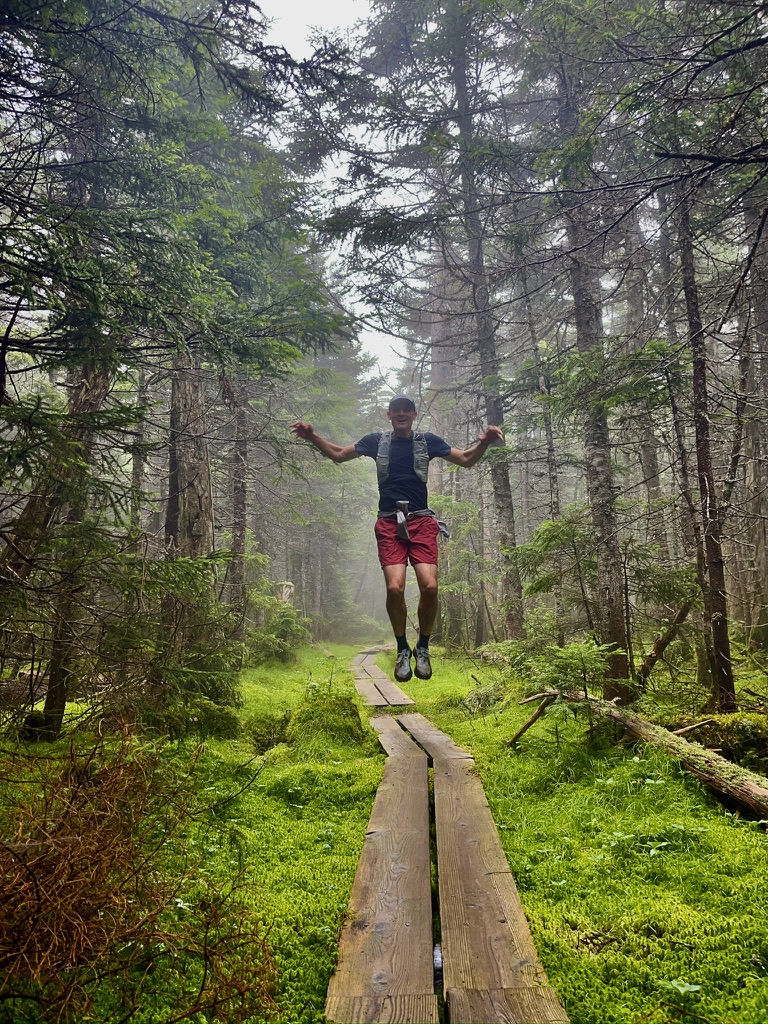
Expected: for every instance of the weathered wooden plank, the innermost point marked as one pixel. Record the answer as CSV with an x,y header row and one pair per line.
x,y
371,696
373,670
405,1009
395,740
485,936
510,1006
386,945
392,693
486,941
436,743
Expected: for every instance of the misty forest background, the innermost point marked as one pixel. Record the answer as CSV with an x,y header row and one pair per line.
x,y
559,208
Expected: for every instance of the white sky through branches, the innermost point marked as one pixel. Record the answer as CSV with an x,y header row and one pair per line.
x,y
293,22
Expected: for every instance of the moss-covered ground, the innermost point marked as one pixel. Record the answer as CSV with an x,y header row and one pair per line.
x,y
297,831
647,899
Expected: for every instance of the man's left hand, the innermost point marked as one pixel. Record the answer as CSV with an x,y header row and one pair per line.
x,y
492,435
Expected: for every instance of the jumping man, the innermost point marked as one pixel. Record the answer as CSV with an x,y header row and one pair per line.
x,y
406,528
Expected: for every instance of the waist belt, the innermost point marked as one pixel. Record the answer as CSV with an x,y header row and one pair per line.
x,y
403,514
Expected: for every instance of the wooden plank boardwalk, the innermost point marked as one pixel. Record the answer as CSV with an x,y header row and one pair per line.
x,y
491,970
385,969
376,688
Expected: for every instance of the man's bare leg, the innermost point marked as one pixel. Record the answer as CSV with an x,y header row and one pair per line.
x,y
394,578
426,576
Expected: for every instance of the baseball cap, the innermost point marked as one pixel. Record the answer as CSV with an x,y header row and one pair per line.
x,y
402,400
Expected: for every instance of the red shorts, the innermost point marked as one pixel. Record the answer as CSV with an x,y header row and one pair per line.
x,y
422,547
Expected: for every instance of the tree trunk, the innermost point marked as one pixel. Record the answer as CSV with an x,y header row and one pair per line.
x,y
87,395
601,493
189,514
756,444
637,335
485,328
239,513
599,472
724,695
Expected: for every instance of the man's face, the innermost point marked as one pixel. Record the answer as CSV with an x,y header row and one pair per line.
x,y
402,417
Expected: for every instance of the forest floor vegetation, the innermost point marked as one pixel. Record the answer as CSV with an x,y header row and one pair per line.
x,y
207,880
648,900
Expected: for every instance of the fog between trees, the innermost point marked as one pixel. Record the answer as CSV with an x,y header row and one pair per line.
x,y
560,206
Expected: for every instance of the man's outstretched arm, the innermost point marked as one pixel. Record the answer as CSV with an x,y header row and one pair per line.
x,y
334,452
469,456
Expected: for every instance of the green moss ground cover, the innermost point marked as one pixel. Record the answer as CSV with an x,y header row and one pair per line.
x,y
246,847
296,833
647,900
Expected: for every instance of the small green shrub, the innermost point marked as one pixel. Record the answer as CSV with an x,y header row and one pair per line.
x,y
283,631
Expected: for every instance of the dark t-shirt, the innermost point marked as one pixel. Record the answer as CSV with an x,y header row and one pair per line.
x,y
402,484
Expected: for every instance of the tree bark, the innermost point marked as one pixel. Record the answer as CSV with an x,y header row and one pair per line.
x,y
189,514
239,512
724,694
478,278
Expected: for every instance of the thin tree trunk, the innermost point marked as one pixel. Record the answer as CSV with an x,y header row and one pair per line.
x,y
239,513
477,274
189,515
724,695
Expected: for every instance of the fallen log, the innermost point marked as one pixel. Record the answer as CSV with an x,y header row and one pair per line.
x,y
746,788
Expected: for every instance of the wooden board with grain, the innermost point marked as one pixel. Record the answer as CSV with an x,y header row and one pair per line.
x,y
376,688
372,698
491,970
385,968
435,743
395,741
523,1005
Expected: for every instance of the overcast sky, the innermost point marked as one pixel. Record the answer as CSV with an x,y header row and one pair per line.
x,y
292,22
294,19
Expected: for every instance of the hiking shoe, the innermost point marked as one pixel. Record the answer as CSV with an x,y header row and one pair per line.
x,y
403,665
423,664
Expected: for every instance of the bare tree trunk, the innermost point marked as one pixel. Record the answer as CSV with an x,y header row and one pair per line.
x,y
239,513
549,435
189,514
599,471
724,695
756,482
87,395
636,340
477,274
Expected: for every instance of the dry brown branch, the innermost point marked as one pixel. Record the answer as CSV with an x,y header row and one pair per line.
x,y
536,715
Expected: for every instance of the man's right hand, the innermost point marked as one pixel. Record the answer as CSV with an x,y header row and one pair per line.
x,y
303,430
